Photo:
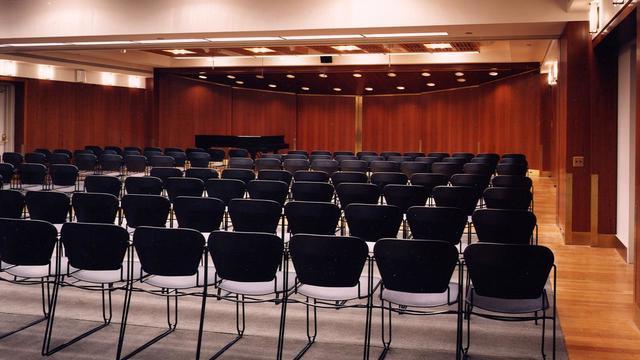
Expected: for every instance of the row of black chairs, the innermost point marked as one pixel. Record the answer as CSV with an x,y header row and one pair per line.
x,y
506,282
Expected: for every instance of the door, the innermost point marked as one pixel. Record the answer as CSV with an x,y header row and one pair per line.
x,y
7,117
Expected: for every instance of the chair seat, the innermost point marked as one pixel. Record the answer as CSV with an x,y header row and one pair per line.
x,y
32,187
182,282
422,299
107,276
338,293
259,288
507,306
36,271
64,189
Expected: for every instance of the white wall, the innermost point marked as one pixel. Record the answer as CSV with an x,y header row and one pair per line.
x,y
626,147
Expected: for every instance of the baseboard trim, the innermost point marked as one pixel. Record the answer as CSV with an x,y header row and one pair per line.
x,y
578,238
636,315
608,241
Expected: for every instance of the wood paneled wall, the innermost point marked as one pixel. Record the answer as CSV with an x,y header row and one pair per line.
x,y
326,123
392,123
71,115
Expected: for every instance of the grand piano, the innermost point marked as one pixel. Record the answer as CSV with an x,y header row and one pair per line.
x,y
253,144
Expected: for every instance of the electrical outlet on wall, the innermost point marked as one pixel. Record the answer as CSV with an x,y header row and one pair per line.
x,y
578,161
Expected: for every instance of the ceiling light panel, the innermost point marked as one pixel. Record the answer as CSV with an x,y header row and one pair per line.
x,y
346,48
170,41
180,51
392,35
248,38
322,37
438,46
260,50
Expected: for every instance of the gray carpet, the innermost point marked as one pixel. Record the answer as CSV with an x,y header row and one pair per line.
x,y
340,332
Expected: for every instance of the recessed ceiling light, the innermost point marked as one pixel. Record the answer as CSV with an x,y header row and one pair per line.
x,y
202,76
249,38
260,76
169,41
435,33
179,51
369,88
272,85
425,74
115,42
459,74
323,75
461,80
431,84
260,50
346,48
391,74
337,89
37,44
319,37
438,46
305,88
231,77
239,82
291,76
400,87
493,73
358,75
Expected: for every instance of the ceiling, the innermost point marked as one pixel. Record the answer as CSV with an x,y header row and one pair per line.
x,y
369,80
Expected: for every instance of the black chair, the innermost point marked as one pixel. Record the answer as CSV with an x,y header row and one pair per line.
x,y
179,157
354,166
35,158
43,151
361,154
328,166
437,223
400,158
293,165
382,179
95,207
199,213
313,158
329,271
456,160
373,222
245,175
6,172
512,181
344,157
152,153
414,154
103,184
143,185
507,198
162,161
416,280
298,152
12,204
429,181
242,153
311,176
384,166
170,261
493,156
370,158
246,265
116,149
438,155
95,254
64,177
32,176
504,226
109,152
351,193
12,158
340,177
29,256
427,160
278,175
520,157
312,191
447,169
321,152
465,155
152,148
478,169
240,163
196,149
405,196
135,164
312,217
479,182
508,283
341,153
255,215
203,174
173,149
111,164
133,149
387,154
414,167
216,156
145,210
182,186
267,164
50,206
268,190
489,162
278,157
199,159
85,162
225,189
462,197
512,169
59,159
163,173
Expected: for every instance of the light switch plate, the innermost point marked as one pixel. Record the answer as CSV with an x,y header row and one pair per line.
x,y
578,161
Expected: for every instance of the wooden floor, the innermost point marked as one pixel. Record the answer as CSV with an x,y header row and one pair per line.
x,y
595,290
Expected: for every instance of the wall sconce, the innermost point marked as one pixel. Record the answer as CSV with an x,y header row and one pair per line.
x,y
552,75
618,2
594,16
8,68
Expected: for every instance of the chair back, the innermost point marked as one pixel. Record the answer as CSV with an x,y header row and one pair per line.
x,y
507,198
312,191
311,176
95,207
267,164
405,196
12,158
384,166
203,174
414,167
512,181
245,175
145,210
225,189
328,166
311,217
63,174
143,185
293,165
462,197
163,173
340,177
238,153
255,215
437,223
85,162
99,247
27,242
51,206
240,163
35,158
382,179
169,251
278,175
268,190
162,161
199,213
373,222
504,226
182,186
32,174
199,159
13,203
135,163
351,193
103,184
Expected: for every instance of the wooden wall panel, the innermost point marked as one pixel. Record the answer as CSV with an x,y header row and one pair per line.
x,y
71,115
188,107
257,112
326,122
391,123
450,121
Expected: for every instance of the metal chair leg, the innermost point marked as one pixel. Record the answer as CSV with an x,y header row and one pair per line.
x,y
311,337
